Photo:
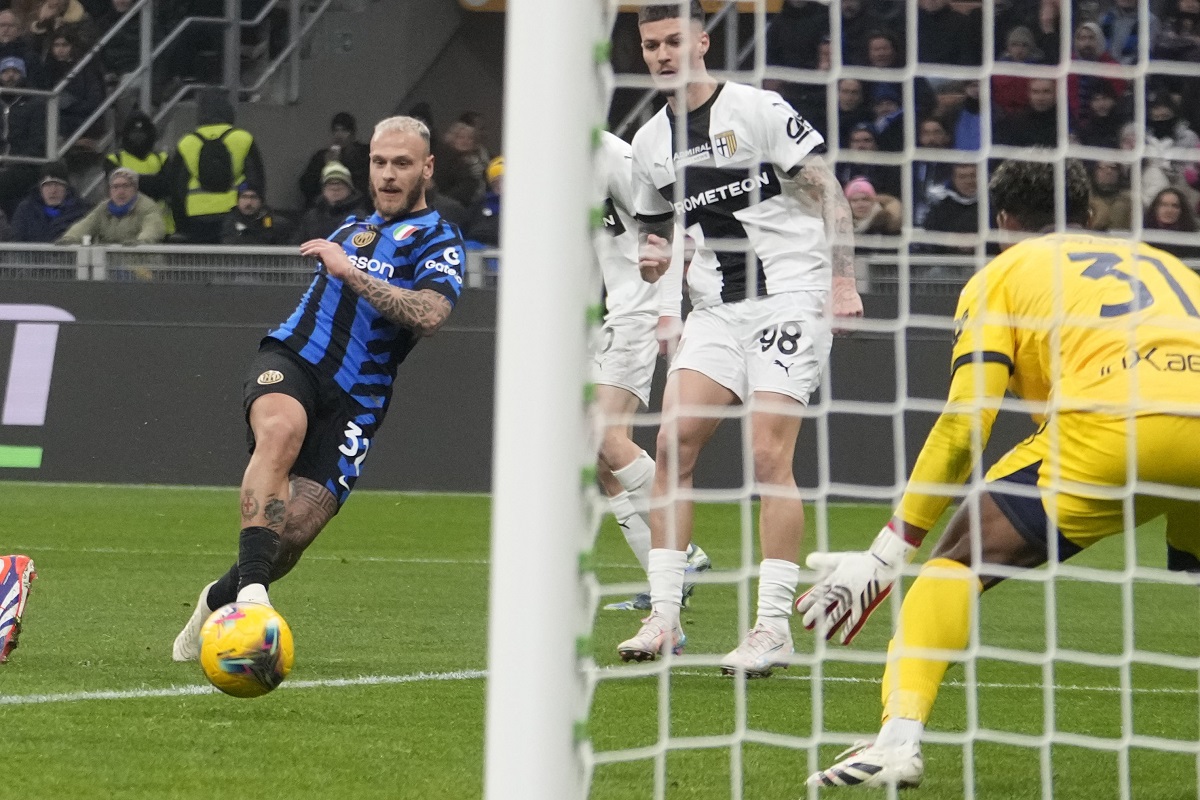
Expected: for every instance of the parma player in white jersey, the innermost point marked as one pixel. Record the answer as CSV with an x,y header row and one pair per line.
x,y
642,323
774,252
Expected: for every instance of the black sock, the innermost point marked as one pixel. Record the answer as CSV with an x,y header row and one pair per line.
x,y
224,591
257,547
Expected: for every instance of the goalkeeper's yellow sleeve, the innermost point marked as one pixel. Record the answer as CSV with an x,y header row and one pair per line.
x,y
947,457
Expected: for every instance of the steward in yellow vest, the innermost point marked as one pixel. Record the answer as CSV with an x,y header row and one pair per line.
x,y
137,153
207,167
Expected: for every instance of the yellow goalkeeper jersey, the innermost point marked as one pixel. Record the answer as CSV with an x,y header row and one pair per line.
x,y
1089,323
1091,327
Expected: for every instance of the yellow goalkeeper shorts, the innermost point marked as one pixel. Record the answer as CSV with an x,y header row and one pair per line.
x,y
1075,472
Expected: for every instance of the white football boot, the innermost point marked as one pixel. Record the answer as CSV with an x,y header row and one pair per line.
x,y
655,637
187,643
763,649
697,561
872,767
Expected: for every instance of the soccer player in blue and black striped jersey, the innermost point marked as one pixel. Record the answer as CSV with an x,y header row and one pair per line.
x,y
320,385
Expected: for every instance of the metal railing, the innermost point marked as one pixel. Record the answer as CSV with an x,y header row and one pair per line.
x,y
142,75
193,264
879,273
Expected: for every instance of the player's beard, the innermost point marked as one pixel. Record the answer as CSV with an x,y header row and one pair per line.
x,y
410,199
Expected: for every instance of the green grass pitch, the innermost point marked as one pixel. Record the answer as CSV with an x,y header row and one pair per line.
x,y
389,611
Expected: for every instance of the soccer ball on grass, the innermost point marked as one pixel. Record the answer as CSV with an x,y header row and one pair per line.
x,y
246,649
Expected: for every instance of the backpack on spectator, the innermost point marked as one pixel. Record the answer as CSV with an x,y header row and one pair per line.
x,y
214,166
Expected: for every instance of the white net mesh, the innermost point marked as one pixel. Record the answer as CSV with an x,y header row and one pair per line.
x,y
1080,678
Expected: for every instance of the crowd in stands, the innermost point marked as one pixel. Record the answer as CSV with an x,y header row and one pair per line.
x,y
210,187
1023,111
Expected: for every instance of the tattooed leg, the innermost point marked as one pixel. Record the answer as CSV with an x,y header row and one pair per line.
x,y
309,510
279,424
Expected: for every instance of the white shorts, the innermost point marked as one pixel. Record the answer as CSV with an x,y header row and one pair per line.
x,y
770,344
627,353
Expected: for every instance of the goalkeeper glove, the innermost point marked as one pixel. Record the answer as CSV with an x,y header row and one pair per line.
x,y
850,585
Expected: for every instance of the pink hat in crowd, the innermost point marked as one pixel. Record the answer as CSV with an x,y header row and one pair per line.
x,y
860,185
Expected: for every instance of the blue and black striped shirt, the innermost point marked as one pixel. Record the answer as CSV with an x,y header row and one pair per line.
x,y
346,337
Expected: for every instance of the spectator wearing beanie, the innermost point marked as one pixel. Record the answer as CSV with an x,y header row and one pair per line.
x,y
873,212
251,222
22,133
337,203
343,148
50,209
129,217
484,224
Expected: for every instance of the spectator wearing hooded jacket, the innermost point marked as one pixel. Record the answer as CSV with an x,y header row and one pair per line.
x,y
337,202
83,93
1089,44
343,148
251,222
129,217
1120,26
48,211
197,203
138,153
60,16
958,210
22,133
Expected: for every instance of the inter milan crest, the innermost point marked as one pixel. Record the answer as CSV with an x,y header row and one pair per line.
x,y
726,144
364,238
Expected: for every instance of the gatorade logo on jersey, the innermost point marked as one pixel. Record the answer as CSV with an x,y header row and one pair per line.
x,y
269,377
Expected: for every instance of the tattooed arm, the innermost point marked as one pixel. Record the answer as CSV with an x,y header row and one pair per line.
x,y
815,177
423,311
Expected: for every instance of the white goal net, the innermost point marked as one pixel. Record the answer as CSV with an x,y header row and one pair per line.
x,y
1081,678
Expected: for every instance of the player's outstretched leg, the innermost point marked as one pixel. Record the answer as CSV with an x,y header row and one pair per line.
x,y
187,643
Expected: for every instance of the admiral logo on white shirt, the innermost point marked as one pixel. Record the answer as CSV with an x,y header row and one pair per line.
x,y
695,155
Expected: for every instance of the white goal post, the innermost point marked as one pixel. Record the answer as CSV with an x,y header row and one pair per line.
x,y
536,691
545,592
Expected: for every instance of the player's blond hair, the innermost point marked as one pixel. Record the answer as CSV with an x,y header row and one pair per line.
x,y
402,125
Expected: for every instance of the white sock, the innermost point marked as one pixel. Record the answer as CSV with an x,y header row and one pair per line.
x,y
897,732
637,532
666,582
637,478
777,580
254,593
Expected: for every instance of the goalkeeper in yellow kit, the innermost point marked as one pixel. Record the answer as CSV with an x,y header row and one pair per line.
x,y
1103,336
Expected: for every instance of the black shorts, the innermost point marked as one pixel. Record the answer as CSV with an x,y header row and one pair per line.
x,y
340,430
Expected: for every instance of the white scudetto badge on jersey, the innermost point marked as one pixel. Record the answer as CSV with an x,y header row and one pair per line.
x,y
725,144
